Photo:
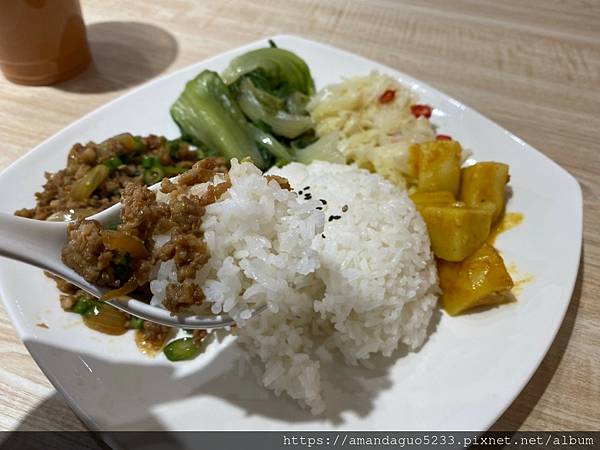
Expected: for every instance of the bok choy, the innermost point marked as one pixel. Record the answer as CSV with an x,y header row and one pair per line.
x,y
280,122
255,109
279,66
325,149
208,116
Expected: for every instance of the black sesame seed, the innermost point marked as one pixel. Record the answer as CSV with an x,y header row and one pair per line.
x,y
322,201
344,208
307,196
323,236
320,208
330,218
336,217
300,192
307,188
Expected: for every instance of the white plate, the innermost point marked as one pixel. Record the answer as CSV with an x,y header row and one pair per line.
x,y
465,376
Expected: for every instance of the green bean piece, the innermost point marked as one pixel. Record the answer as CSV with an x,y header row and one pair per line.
x,y
122,268
87,306
171,171
83,305
95,309
113,163
149,161
138,144
173,147
181,349
136,323
153,175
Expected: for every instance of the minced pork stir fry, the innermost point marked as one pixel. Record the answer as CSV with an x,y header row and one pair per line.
x,y
97,176
123,258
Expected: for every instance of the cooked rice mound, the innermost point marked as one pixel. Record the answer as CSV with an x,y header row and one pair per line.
x,y
359,284
259,238
376,262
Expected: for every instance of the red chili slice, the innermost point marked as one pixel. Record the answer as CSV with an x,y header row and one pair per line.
x,y
443,137
421,110
387,96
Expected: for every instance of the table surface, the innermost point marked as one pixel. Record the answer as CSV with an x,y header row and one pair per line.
x,y
532,67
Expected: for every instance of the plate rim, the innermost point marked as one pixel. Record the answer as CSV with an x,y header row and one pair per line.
x,y
25,336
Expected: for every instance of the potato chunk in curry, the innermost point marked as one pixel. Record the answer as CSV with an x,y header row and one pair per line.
x,y
484,183
435,166
456,231
424,199
471,271
479,280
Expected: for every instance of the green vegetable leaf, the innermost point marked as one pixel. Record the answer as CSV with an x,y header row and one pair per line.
x,y
325,149
279,66
280,122
296,103
208,115
272,145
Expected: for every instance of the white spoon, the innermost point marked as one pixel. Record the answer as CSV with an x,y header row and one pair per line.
x,y
39,243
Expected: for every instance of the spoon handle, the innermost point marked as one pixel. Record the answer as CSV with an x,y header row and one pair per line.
x,y
34,242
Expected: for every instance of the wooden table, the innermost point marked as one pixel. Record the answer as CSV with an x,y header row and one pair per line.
x,y
533,67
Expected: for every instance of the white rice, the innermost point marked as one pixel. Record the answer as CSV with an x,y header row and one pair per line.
x,y
377,267
259,239
366,287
